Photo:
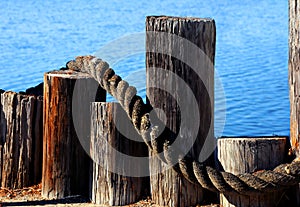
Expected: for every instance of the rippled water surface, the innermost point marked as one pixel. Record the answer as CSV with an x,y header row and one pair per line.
x,y
251,56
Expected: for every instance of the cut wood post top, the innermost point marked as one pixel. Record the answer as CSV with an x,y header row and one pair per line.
x,y
16,93
180,18
252,139
199,32
32,91
71,74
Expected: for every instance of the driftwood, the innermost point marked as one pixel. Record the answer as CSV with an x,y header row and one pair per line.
x,y
113,137
65,163
21,139
248,155
168,55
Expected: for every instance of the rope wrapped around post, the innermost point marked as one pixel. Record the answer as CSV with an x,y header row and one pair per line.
x,y
283,176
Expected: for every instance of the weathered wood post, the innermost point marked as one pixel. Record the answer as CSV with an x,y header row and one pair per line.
x,y
38,141
2,134
20,139
65,163
294,81
180,84
114,142
247,155
294,72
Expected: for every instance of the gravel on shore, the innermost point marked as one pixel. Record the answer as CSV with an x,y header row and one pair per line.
x,y
31,196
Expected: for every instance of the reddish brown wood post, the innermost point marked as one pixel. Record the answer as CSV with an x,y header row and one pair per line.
x,y
20,137
65,163
247,155
112,177
294,74
180,57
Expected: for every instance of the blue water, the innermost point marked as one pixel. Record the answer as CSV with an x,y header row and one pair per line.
x,y
251,56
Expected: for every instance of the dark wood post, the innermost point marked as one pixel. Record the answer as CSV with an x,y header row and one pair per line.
x,y
180,57
38,141
248,155
20,139
113,138
294,81
66,165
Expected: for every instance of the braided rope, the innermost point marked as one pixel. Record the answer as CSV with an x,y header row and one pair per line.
x,y
283,176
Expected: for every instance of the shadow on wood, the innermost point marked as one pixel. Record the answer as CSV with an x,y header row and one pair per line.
x,y
66,165
117,179
248,155
180,86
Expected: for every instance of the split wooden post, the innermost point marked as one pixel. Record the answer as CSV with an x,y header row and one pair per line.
x,y
180,49
21,138
294,81
247,155
113,139
66,165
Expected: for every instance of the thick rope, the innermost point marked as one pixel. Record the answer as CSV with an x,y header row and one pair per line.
x,y
280,178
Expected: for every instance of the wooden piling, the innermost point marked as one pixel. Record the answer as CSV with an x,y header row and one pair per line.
x,y
21,138
112,183
2,134
294,73
180,49
248,155
66,165
294,81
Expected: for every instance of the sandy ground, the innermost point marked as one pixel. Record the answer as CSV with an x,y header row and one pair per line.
x,y
31,196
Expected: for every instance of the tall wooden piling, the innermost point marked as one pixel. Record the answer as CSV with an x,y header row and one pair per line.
x,y
113,139
180,49
294,80
65,163
294,74
2,134
248,155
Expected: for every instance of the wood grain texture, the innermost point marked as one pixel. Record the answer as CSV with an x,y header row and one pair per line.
x,y
37,140
248,155
294,74
66,166
294,79
111,185
174,55
20,137
2,132
240,155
